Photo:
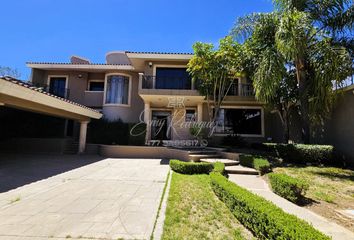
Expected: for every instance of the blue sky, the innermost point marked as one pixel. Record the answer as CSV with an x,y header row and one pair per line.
x,y
48,30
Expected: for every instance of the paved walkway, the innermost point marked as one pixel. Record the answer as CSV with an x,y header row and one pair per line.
x,y
258,186
106,198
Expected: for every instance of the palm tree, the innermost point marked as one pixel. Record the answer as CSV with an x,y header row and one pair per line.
x,y
299,38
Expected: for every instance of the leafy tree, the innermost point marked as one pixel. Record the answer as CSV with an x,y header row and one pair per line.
x,y
214,71
296,39
7,71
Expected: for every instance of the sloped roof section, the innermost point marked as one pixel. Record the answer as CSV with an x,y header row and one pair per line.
x,y
14,92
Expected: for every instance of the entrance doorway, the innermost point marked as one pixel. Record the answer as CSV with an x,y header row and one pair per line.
x,y
160,128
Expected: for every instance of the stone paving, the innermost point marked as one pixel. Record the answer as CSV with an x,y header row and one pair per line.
x,y
258,186
106,199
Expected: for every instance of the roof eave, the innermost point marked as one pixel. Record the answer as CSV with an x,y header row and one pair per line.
x,y
154,56
55,66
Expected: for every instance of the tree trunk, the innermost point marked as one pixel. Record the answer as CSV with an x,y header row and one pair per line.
x,y
286,126
304,104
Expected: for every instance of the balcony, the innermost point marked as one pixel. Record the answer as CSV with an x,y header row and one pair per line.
x,y
152,85
171,83
241,89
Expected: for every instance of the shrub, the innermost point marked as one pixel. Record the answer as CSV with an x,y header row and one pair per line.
x,y
191,167
258,163
234,141
303,153
219,168
288,187
115,132
262,217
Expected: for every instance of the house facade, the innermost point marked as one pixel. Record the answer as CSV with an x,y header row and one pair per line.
x,y
154,88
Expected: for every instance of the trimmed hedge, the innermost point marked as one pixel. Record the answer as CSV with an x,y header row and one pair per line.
x,y
262,217
302,153
116,132
258,163
288,187
219,168
191,167
196,168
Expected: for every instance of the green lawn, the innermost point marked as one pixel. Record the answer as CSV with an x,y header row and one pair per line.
x,y
194,212
331,189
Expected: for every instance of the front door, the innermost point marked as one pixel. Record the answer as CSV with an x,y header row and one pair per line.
x,y
160,128
57,86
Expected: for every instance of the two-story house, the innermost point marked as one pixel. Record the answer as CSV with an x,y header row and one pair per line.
x,y
150,87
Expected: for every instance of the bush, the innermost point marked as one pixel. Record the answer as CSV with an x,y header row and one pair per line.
x,y
262,217
219,168
191,167
115,132
260,164
303,153
288,187
234,141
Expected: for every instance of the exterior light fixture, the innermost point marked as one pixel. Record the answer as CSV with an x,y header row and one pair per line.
x,y
150,64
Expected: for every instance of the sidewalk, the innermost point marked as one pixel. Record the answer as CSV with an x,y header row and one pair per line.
x,y
258,186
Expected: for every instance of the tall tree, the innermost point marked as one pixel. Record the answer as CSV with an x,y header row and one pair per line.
x,y
214,71
290,39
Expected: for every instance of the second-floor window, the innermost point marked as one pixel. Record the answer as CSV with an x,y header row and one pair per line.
x,y
117,90
96,86
172,78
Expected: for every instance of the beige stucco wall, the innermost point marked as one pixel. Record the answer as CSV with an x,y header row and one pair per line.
x,y
142,152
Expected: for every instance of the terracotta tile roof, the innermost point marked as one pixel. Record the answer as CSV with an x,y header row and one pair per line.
x,y
160,53
61,63
40,90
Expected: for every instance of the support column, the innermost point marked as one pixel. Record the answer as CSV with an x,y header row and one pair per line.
x,y
147,120
200,112
82,139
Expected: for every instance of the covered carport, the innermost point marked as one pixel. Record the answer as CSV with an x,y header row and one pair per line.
x,y
21,95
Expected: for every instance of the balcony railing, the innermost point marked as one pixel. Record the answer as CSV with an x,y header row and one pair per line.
x,y
57,91
154,82
171,83
241,89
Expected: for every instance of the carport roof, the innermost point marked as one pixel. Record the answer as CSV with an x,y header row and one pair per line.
x,y
19,94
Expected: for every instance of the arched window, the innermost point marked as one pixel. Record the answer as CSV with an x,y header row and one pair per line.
x,y
117,90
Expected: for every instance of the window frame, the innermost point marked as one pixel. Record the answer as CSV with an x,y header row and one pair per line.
x,y
247,107
129,89
58,76
155,66
195,114
94,80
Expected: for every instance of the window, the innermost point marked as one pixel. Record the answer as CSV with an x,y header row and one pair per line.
x,y
117,91
57,86
96,86
172,78
239,121
190,115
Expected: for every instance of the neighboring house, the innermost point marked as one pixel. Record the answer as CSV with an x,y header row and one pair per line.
x,y
145,86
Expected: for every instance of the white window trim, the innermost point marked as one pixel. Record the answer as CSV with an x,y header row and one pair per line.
x,y
246,107
58,76
195,113
154,66
93,80
129,90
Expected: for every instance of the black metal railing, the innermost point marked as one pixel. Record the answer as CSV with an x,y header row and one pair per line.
x,y
244,90
57,91
156,82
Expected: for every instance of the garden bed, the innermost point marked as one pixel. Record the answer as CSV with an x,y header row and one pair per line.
x,y
331,189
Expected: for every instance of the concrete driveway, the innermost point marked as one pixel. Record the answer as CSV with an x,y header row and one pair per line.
x,y
82,197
